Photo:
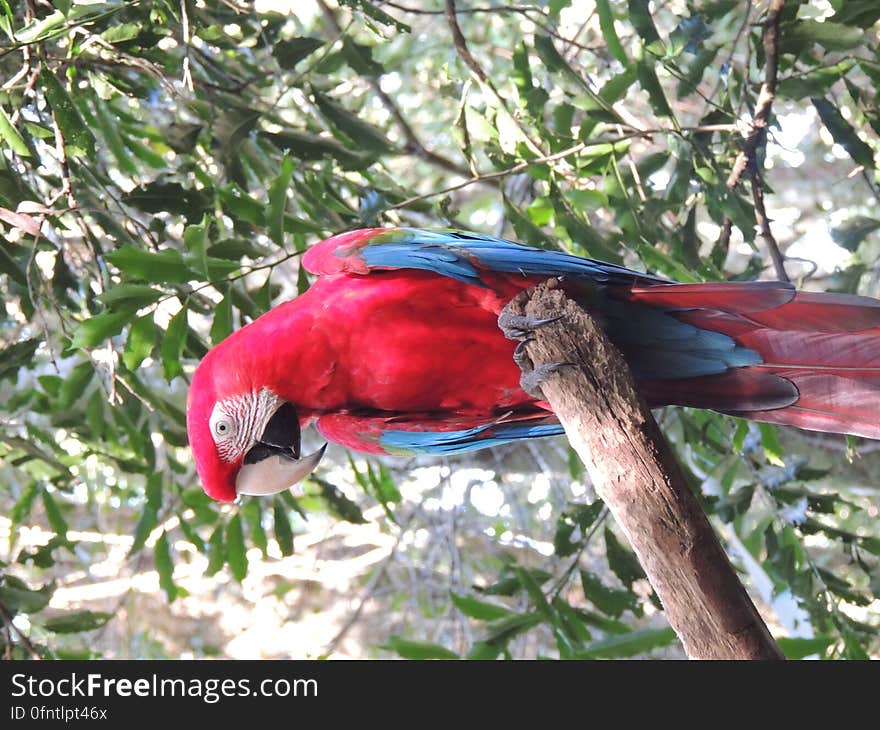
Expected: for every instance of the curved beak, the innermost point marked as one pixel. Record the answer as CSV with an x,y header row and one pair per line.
x,y
275,473
273,463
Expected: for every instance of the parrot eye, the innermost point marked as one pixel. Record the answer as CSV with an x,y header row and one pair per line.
x,y
221,425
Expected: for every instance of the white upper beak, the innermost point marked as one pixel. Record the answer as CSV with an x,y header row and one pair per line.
x,y
275,473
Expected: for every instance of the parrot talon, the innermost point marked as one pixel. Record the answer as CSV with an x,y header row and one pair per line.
x,y
532,380
521,357
518,327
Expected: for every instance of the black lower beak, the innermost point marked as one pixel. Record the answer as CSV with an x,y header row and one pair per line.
x,y
280,436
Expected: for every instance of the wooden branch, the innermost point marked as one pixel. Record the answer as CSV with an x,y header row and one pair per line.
x,y
634,471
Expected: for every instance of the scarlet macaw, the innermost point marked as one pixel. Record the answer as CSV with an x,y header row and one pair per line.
x,y
396,349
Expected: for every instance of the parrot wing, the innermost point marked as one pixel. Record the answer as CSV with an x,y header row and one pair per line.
x,y
460,255
433,433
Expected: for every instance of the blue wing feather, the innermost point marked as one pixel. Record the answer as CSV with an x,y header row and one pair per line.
x,y
459,442
461,256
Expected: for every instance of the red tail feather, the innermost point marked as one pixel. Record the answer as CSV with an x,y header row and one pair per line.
x,y
820,350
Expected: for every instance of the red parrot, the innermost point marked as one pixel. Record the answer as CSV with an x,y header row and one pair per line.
x,y
396,349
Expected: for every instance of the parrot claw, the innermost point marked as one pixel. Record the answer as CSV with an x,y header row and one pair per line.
x,y
521,357
531,380
517,327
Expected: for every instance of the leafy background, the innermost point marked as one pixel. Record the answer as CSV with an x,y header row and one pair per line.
x,y
165,164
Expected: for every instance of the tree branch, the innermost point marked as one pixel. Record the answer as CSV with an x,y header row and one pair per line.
x,y
757,138
464,52
634,471
9,626
414,145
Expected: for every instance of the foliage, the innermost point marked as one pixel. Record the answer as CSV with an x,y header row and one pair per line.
x,y
165,163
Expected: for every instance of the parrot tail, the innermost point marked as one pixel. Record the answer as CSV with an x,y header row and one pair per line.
x,y
817,363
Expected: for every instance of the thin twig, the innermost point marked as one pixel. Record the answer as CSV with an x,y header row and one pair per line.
x,y
22,637
757,138
758,133
414,145
482,177
562,581
464,52
764,224
369,588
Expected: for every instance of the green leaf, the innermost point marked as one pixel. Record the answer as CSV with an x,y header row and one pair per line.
x,y
853,231
647,75
53,514
236,553
149,517
159,197
770,442
798,648
843,133
75,384
195,238
575,628
623,562
165,567
23,506
532,587
307,146
278,201
291,52
108,125
509,583
797,37
816,82
121,33
94,331
657,260
360,58
480,610
18,597
341,505
171,348
626,645
145,525
283,530
167,266
140,341
606,24
216,551
502,631
12,136
253,516
14,356
863,13
409,649
608,600
640,17
132,296
78,138
221,325
364,135
71,623
371,11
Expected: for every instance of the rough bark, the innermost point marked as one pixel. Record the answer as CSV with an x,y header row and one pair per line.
x,y
634,471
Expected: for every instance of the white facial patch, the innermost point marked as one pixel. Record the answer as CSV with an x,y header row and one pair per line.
x,y
237,423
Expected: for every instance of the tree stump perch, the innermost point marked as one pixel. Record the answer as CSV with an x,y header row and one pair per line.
x,y
634,471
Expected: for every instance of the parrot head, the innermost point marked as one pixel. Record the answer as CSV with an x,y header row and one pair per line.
x,y
245,439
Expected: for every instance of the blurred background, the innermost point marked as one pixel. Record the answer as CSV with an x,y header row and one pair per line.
x,y
165,164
